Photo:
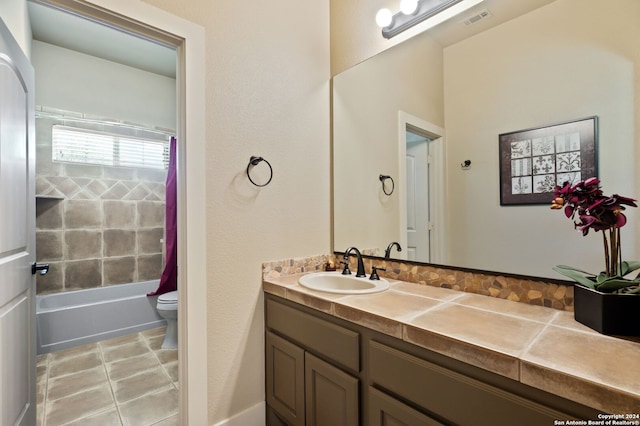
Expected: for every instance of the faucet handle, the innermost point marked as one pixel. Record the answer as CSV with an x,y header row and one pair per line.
x,y
346,270
374,272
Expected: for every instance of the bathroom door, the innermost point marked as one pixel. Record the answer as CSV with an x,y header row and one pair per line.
x,y
17,235
418,223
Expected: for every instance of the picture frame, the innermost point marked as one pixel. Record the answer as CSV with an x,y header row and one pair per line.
x,y
534,161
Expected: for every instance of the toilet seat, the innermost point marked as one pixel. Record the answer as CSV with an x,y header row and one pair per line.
x,y
167,308
168,300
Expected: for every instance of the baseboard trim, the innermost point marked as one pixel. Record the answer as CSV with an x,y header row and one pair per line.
x,y
254,416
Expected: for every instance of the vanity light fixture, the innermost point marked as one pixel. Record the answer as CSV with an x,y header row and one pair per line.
x,y
408,7
429,13
384,17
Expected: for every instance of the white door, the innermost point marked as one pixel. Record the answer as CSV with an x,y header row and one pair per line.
x,y
418,242
17,235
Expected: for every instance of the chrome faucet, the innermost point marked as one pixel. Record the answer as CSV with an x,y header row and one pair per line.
x,y
387,252
360,271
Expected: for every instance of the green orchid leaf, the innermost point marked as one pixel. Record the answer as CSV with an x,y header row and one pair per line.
x,y
558,268
576,275
631,266
602,277
602,282
624,268
613,284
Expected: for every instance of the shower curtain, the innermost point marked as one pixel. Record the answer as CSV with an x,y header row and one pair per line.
x,y
169,278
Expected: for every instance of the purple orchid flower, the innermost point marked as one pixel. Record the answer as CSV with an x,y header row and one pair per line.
x,y
590,209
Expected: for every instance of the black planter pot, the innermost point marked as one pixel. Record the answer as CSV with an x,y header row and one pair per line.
x,y
615,314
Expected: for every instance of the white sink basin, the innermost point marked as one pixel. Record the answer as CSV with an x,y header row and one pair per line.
x,y
335,282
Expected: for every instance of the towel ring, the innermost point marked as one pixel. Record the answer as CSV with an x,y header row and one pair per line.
x,y
393,185
254,161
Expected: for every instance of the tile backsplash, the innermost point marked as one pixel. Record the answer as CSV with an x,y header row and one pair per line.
x,y
529,290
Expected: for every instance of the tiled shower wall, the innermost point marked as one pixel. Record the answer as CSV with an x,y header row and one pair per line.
x,y
95,225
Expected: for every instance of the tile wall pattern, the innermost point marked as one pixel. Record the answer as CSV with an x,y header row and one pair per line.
x,y
95,225
519,289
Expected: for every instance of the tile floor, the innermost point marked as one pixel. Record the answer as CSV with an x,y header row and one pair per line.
x,y
127,380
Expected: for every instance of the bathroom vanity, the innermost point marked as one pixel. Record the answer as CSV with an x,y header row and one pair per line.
x,y
418,355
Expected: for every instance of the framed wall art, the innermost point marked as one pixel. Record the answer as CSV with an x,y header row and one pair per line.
x,y
534,161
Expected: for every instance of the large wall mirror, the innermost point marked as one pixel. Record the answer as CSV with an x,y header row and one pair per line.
x,y
418,111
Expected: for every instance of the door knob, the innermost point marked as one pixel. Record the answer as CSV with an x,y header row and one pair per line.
x,y
42,267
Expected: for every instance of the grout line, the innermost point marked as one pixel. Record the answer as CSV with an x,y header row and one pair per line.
x,y
508,314
146,340
529,345
155,355
46,390
110,382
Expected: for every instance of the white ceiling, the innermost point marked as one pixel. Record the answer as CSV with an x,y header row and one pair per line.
x,y
53,26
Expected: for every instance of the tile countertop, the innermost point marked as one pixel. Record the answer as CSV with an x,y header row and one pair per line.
x,y
541,347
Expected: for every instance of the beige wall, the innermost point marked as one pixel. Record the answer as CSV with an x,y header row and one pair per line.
x,y
568,60
355,36
366,101
354,33
267,94
14,15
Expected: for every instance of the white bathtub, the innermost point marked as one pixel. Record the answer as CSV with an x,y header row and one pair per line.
x,y
77,317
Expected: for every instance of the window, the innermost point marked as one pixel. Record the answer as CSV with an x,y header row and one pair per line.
x,y
74,145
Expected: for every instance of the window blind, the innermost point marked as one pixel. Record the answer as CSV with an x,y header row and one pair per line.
x,y
76,145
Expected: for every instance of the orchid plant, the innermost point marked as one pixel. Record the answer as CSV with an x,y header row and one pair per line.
x,y
586,205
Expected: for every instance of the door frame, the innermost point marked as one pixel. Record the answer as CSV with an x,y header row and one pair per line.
x,y
188,39
437,181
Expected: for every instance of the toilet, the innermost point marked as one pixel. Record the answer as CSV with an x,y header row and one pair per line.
x,y
168,309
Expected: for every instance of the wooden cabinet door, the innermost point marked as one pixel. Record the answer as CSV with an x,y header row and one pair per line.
x,y
331,395
285,379
438,390
387,411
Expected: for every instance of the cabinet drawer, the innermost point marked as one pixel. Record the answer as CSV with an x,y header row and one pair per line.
x,y
450,395
320,336
385,410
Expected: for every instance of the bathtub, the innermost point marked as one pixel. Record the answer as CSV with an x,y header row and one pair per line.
x,y
73,318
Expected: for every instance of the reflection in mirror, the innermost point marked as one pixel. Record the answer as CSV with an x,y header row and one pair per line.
x,y
418,196
566,60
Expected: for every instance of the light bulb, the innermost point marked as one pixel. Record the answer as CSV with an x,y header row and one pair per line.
x,y
384,18
408,6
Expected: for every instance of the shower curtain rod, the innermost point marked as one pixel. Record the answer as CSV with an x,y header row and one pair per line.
x,y
79,118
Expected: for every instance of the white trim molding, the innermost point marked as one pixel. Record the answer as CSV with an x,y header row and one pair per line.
x,y
437,182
